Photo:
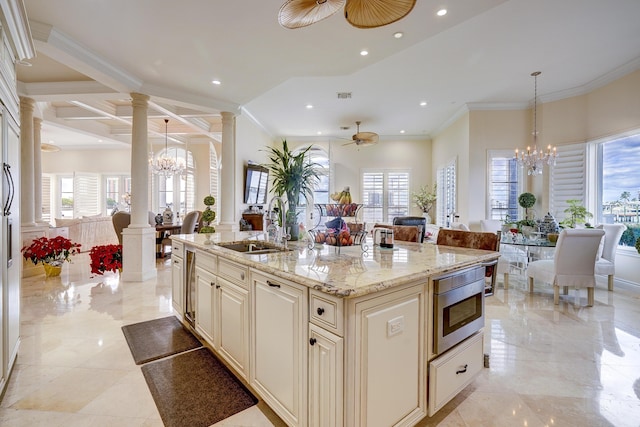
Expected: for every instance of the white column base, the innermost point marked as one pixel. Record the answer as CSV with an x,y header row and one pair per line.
x,y
228,227
138,254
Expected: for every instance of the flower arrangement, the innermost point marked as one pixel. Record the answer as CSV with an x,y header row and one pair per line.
x,y
424,199
105,258
53,251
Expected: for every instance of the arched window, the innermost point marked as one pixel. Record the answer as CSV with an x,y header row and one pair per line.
x,y
176,191
213,179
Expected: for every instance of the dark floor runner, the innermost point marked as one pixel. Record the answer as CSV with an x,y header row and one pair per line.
x,y
195,389
158,338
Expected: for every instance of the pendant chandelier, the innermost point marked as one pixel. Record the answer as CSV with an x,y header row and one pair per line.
x,y
535,160
165,165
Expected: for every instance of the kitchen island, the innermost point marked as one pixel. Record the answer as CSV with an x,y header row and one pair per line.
x,y
329,338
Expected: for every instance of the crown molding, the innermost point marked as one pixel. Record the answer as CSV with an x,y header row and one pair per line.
x,y
14,18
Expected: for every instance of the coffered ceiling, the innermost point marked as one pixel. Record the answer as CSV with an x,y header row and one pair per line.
x,y
92,54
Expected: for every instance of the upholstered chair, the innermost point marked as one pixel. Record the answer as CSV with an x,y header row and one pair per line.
x,y
412,220
606,262
120,220
476,240
188,226
459,226
573,263
405,233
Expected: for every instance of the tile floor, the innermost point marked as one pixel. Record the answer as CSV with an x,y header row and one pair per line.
x,y
549,366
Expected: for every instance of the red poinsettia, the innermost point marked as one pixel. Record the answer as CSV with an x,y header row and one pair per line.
x,y
50,251
105,258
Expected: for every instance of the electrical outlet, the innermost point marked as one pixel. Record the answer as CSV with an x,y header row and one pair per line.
x,y
395,326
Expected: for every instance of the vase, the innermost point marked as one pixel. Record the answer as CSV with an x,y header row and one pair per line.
x,y
52,270
294,231
427,217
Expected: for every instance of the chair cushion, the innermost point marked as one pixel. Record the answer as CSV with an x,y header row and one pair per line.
x,y
605,267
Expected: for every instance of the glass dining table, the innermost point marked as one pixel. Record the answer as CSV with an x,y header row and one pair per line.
x,y
527,249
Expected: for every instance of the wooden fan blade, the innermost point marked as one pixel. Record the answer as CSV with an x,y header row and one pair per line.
x,y
300,13
376,13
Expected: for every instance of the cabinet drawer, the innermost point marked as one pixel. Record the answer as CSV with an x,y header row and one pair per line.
x,y
326,312
454,370
234,272
176,247
206,261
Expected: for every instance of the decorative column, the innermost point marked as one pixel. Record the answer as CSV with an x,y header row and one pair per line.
x,y
26,162
37,169
227,206
139,239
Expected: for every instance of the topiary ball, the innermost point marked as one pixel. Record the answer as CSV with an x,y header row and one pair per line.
x,y
526,200
209,200
638,244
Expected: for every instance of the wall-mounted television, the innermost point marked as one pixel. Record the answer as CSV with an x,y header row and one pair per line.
x,y
255,184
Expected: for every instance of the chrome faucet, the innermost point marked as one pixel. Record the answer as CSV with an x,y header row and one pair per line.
x,y
281,235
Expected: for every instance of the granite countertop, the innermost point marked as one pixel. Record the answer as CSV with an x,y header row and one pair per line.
x,y
350,273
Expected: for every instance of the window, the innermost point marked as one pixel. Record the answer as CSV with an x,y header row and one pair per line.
x,y
600,175
504,186
385,195
618,195
176,191
66,197
446,193
321,191
115,189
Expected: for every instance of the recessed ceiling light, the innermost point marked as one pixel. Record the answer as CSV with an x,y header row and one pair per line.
x,y
309,106
364,53
319,133
215,82
398,34
402,131
441,12
423,103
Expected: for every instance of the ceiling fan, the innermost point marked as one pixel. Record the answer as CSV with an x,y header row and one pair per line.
x,y
363,138
359,13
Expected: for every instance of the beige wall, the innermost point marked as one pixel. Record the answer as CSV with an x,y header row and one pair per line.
x,y
88,161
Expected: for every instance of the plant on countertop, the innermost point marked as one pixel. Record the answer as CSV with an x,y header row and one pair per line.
x,y
638,244
53,251
105,258
208,216
578,214
293,175
424,198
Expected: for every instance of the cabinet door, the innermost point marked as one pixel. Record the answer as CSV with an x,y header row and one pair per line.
x,y
205,282
388,363
177,284
231,319
325,378
279,346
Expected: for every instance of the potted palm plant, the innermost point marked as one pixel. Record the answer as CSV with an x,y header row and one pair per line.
x,y
292,175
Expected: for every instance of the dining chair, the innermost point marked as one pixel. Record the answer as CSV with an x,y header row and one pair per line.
x,y
120,221
460,226
412,220
606,262
573,263
477,240
188,226
405,233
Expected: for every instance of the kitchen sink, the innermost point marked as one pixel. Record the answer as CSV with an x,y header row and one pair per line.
x,y
254,248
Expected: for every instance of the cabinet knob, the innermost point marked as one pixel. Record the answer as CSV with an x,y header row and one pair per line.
x,y
312,341
320,311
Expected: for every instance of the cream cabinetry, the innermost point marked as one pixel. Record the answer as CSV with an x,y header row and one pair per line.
x,y
386,363
231,320
454,370
177,283
205,284
326,373
279,333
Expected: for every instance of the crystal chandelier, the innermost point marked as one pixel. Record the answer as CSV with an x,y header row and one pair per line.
x,y
165,165
535,160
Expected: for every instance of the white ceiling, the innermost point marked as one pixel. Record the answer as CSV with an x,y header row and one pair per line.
x,y
93,54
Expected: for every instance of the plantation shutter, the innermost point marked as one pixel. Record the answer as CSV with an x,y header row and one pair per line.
x,y
398,195
46,198
567,178
446,193
372,197
213,179
86,197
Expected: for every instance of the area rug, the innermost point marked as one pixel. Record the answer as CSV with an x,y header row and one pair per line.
x,y
158,338
195,389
